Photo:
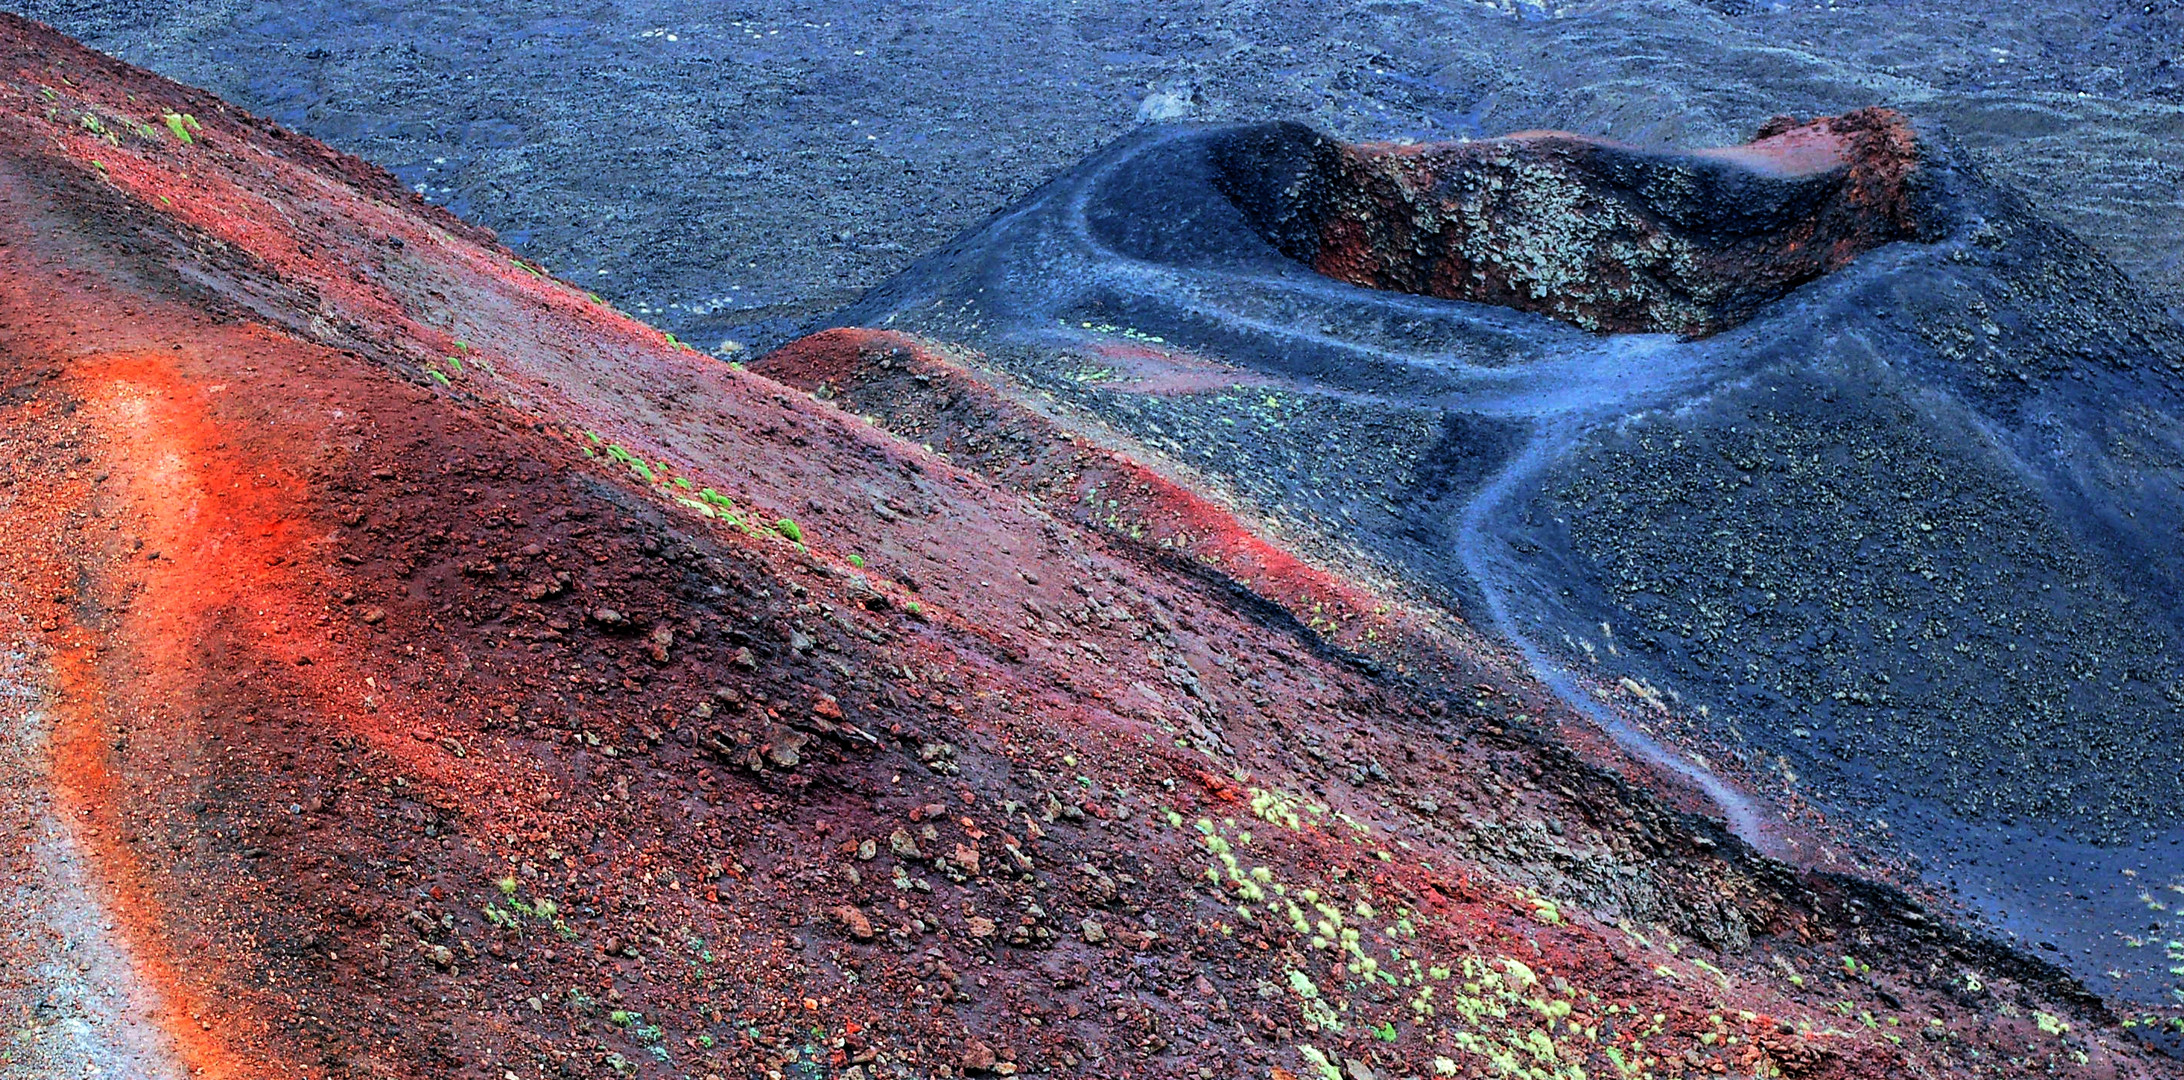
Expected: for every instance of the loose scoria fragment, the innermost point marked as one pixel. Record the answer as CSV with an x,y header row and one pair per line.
x,y
854,921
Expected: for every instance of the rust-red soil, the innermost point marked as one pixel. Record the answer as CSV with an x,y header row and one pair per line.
x,y
449,676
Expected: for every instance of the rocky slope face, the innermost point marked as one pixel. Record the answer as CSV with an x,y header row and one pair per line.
x,y
416,668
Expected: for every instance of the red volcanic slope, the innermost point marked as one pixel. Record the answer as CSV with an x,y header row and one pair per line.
x,y
948,403
418,669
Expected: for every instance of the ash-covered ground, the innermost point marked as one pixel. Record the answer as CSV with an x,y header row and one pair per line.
x,y
729,170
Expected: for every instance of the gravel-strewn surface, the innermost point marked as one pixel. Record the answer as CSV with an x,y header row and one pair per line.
x,y
717,165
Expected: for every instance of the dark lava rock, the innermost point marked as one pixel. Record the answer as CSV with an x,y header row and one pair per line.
x,y
1902,532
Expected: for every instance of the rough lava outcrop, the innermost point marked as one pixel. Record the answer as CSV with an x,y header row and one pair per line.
x,y
416,668
1609,237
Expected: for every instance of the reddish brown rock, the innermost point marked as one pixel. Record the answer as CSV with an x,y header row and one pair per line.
x,y
853,921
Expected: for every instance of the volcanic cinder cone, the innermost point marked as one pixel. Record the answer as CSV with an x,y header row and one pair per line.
x,y
416,668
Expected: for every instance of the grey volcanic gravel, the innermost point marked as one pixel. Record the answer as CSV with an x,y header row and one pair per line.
x,y
1958,638
729,170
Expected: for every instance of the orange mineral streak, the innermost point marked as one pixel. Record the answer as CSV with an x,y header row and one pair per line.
x,y
201,516
233,529
87,795
90,797
229,529
207,492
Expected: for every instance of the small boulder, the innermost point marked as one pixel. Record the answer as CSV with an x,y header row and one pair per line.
x,y
904,845
854,921
977,1056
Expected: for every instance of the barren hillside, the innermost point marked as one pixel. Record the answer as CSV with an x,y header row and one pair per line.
x,y
416,668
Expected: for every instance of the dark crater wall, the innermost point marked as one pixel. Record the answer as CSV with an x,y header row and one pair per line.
x,y
1605,236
